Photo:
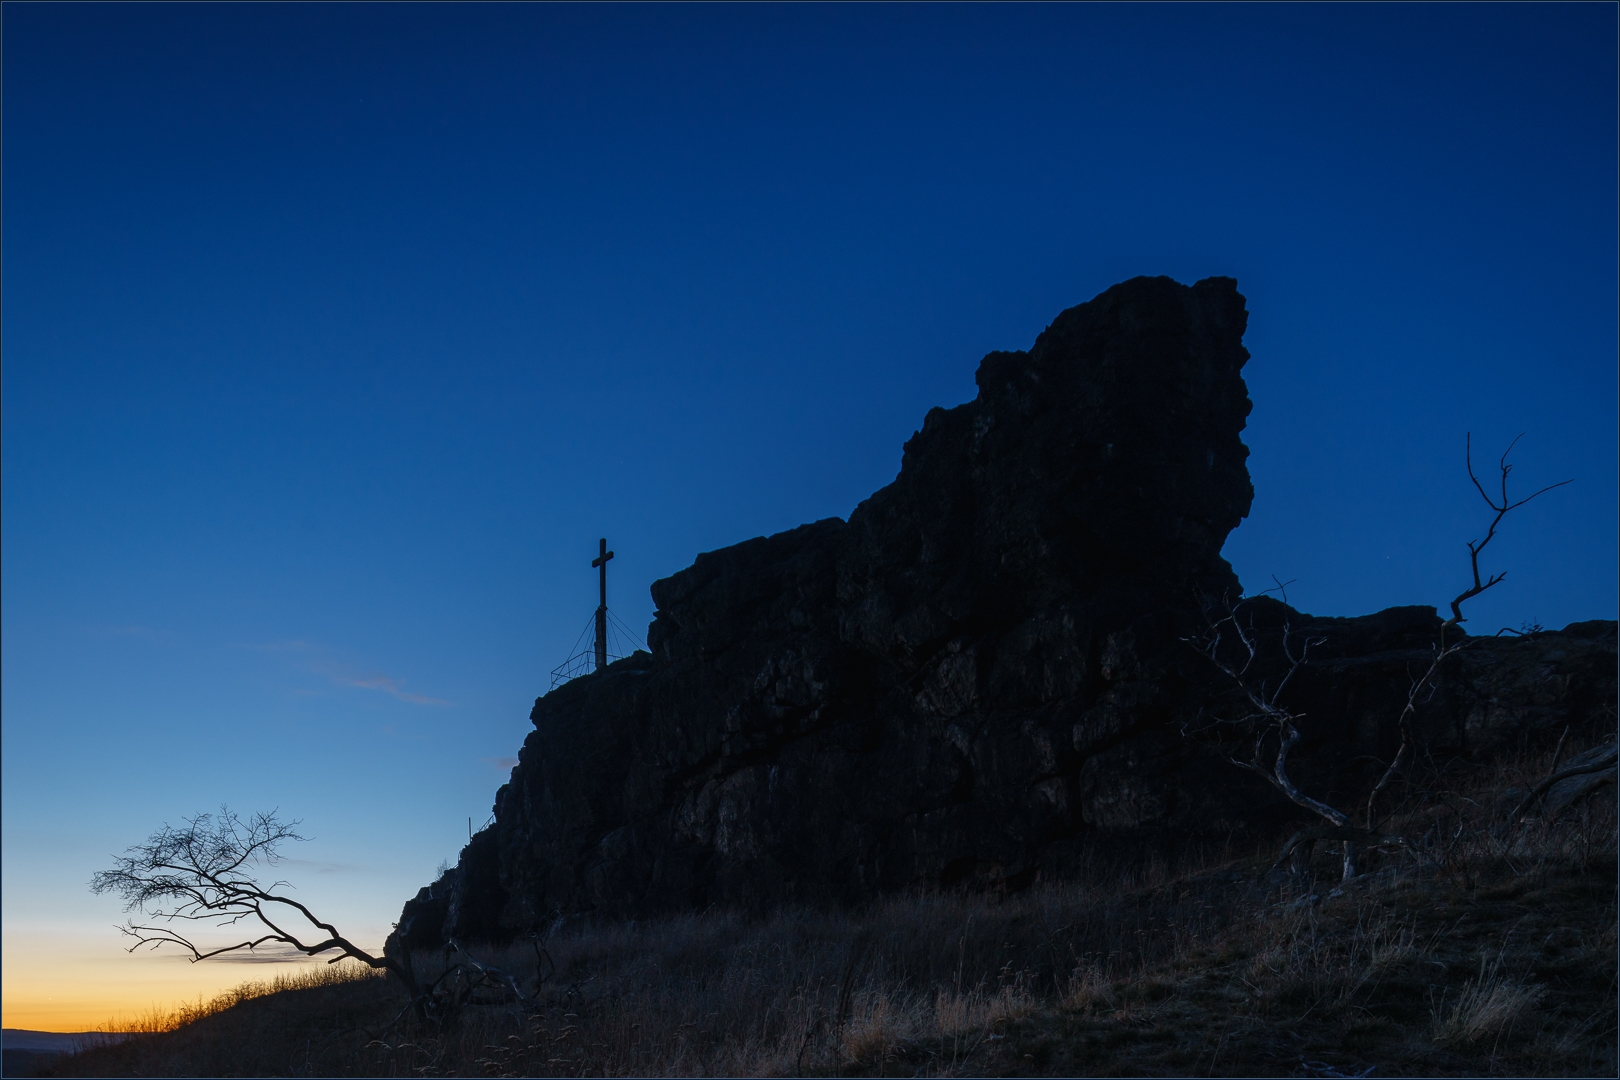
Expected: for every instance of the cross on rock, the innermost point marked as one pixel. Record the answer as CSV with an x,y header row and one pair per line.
x,y
601,561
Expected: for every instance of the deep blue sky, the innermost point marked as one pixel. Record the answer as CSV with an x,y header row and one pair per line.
x,y
334,336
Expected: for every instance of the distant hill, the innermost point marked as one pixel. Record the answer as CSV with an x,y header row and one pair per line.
x,y
26,1051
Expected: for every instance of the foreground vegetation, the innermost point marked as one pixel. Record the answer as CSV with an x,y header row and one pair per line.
x,y
1488,949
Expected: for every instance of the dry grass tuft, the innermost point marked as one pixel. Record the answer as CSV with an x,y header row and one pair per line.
x,y
1487,1006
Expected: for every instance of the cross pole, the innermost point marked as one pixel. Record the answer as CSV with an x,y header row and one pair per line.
x,y
601,562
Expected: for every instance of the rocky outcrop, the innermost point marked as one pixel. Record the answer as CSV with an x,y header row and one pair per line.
x,y
985,668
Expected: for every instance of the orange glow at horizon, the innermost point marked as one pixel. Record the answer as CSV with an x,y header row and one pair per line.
x,y
52,985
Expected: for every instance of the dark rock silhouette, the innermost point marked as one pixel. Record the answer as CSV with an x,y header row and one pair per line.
x,y
981,672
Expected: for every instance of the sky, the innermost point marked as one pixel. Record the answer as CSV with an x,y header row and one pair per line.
x,y
335,337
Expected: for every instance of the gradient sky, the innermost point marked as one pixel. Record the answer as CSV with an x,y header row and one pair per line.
x,y
335,336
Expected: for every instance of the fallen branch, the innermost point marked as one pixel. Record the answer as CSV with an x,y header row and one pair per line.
x,y
1597,760
493,975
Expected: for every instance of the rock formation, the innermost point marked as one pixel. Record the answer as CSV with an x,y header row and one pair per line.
x,y
980,672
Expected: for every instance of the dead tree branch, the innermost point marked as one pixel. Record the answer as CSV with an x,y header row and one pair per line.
x,y
1269,728
1600,759
1423,684
1501,507
205,874
493,976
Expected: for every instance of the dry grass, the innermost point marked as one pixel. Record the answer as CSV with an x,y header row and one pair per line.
x,y
184,1015
1487,1006
1490,949
295,1025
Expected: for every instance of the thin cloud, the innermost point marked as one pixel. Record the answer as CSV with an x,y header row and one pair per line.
x,y
271,952
320,867
383,684
342,674
502,763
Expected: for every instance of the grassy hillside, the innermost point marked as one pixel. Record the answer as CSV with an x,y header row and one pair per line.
x,y
1488,950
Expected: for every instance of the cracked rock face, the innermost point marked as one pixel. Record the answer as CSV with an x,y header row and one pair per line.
x,y
981,671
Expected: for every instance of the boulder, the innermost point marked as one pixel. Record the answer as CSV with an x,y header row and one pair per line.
x,y
985,669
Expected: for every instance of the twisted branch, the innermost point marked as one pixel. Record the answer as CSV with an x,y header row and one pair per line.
x,y
203,873
1501,508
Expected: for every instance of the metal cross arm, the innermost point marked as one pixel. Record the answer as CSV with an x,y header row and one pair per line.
x,y
601,562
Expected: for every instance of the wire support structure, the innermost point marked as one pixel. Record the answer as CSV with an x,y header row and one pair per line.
x,y
621,642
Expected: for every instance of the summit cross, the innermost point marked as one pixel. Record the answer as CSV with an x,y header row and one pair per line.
x,y
601,562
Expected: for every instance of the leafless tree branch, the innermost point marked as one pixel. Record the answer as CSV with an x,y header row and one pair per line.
x,y
1597,760
1418,687
204,873
1270,728
1501,507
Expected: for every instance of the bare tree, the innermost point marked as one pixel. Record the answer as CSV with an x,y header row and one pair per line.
x,y
1423,685
1261,736
206,874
